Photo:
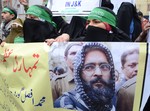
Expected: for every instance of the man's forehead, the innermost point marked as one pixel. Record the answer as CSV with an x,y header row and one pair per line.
x,y
75,48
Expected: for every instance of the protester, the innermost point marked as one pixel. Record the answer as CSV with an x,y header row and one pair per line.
x,y
38,25
101,26
94,78
8,15
128,20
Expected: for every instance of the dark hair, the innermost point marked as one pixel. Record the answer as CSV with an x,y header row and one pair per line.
x,y
69,46
126,53
140,13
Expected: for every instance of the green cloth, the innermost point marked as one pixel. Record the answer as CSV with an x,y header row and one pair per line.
x,y
103,16
19,40
41,13
8,10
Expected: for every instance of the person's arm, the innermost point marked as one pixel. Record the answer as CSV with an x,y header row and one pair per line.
x,y
143,35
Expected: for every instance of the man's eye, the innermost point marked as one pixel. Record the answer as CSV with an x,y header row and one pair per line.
x,y
132,66
90,67
104,67
73,53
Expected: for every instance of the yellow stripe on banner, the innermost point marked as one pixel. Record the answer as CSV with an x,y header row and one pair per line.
x,y
139,82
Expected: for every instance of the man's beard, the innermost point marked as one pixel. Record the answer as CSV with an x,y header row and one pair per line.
x,y
100,95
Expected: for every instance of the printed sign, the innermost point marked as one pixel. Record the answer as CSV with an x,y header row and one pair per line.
x,y
72,7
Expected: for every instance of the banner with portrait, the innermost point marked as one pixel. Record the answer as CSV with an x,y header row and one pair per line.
x,y
30,77
58,53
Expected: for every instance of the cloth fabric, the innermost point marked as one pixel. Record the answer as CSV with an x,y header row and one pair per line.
x,y
125,95
107,3
77,27
99,34
103,15
38,31
61,85
126,13
6,28
96,34
72,100
16,31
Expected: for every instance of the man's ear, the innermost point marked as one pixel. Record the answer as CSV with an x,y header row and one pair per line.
x,y
12,16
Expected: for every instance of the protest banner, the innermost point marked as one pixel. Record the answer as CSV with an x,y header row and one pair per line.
x,y
72,7
24,78
25,83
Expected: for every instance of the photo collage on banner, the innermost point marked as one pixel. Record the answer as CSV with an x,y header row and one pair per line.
x,y
88,75
77,76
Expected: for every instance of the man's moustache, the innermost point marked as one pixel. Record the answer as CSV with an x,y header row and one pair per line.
x,y
100,80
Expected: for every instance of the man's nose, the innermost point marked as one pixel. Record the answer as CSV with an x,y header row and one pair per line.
x,y
136,68
97,71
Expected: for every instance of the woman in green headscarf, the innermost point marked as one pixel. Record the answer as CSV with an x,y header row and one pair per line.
x,y
101,26
38,25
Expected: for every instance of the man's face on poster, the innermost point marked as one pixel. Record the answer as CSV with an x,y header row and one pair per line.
x,y
71,55
96,76
130,67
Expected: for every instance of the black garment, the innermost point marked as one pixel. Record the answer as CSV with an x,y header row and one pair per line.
x,y
96,34
6,28
147,106
99,34
125,15
107,3
62,25
77,27
38,31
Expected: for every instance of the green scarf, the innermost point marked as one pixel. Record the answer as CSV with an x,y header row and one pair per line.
x,y
41,13
103,16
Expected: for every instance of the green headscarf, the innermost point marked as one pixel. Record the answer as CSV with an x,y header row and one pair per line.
x,y
102,15
41,13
